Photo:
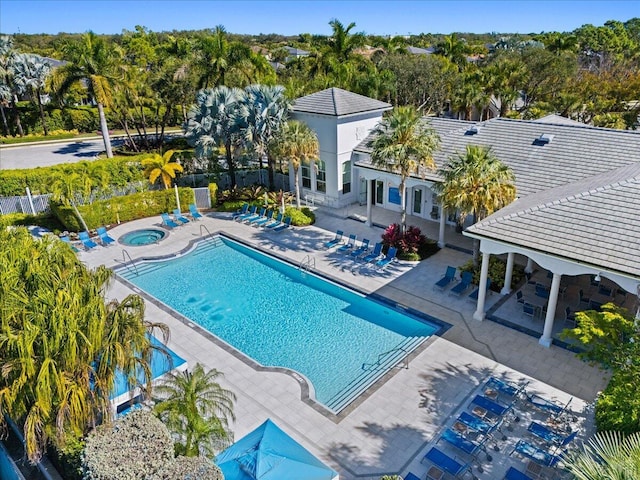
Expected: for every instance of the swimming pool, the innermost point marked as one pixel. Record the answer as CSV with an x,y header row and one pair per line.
x,y
279,316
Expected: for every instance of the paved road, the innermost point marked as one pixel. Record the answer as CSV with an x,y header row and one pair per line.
x,y
31,156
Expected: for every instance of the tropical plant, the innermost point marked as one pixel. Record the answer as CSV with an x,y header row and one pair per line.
x,y
7,94
412,245
607,455
453,48
30,73
95,61
342,42
475,183
404,145
161,167
297,143
197,410
62,343
68,186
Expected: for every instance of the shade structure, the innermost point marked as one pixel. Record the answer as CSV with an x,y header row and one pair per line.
x,y
268,453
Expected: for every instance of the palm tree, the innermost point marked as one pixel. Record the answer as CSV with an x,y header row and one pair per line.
x,y
216,120
475,183
453,48
197,410
505,79
297,143
403,144
93,60
7,94
342,42
266,110
30,75
68,186
607,455
160,166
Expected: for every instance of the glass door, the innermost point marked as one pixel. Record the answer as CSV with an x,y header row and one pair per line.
x,y
417,201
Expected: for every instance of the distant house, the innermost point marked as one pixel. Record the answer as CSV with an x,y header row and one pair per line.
x,y
420,51
295,53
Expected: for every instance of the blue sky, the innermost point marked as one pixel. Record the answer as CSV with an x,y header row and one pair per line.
x,y
291,17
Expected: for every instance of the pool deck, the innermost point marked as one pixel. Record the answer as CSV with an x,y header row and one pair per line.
x,y
395,423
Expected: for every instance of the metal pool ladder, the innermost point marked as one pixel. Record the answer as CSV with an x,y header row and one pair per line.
x,y
307,263
125,254
209,234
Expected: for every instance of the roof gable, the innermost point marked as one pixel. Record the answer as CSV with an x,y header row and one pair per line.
x,y
337,102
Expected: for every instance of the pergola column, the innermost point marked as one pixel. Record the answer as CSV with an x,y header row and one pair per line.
x,y
369,203
482,290
545,340
443,222
508,274
529,267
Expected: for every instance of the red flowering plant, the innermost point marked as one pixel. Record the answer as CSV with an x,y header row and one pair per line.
x,y
413,245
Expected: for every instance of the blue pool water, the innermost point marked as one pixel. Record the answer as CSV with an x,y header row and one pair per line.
x,y
280,316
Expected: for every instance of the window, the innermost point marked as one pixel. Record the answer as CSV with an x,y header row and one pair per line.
x,y
379,192
306,176
346,177
321,177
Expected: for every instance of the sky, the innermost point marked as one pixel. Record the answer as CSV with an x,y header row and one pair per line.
x,y
292,17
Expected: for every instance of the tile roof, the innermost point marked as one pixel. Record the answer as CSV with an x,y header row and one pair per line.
x,y
559,120
337,102
595,220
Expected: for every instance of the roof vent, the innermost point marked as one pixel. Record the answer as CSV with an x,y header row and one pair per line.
x,y
544,139
472,130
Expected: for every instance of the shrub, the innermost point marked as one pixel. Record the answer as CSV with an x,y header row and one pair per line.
x,y
497,269
300,218
189,468
233,205
213,193
45,220
413,245
618,406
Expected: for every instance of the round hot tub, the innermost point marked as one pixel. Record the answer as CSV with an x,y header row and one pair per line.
x,y
139,238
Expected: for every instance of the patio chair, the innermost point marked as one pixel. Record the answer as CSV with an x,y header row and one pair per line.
x,y
449,276
177,215
349,245
193,211
67,240
86,240
569,316
542,291
261,216
336,240
530,310
548,406
274,223
362,249
513,474
445,463
104,237
474,295
504,387
519,297
538,455
582,300
167,222
252,211
484,406
464,444
550,436
463,285
593,305
241,211
467,421
264,220
375,255
283,226
384,262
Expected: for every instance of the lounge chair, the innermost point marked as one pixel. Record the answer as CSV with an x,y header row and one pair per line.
x,y
391,256
489,406
474,295
283,226
550,436
349,245
252,211
167,222
241,211
513,474
67,240
463,285
255,216
548,406
177,215
445,463
466,420
504,387
104,237
449,276
362,249
411,476
538,455
264,220
193,211
375,255
336,240
274,223
463,443
86,240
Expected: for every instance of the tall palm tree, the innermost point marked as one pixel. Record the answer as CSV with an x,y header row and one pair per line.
x,y
197,410
342,42
30,76
95,61
266,110
7,94
607,455
505,79
68,186
403,144
475,183
453,48
216,120
298,144
160,166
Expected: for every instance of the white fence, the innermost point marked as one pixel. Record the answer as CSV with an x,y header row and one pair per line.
x,y
21,204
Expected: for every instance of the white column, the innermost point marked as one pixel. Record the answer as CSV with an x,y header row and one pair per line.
x,y
370,193
545,340
482,292
443,220
506,290
529,267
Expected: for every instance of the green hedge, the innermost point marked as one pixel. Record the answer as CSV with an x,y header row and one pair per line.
x,y
300,218
123,209
22,219
119,171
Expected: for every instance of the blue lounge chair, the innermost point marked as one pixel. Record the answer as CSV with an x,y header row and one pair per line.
x,y
474,295
375,255
538,455
463,443
104,236
513,474
504,387
86,240
411,476
445,462
275,223
477,424
241,211
489,405
336,240
177,215
391,256
362,249
193,211
167,222
255,216
261,216
349,245
550,436
463,285
548,406
264,220
67,240
283,226
252,211
449,277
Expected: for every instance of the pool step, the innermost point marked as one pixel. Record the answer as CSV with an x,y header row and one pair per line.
x,y
372,372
